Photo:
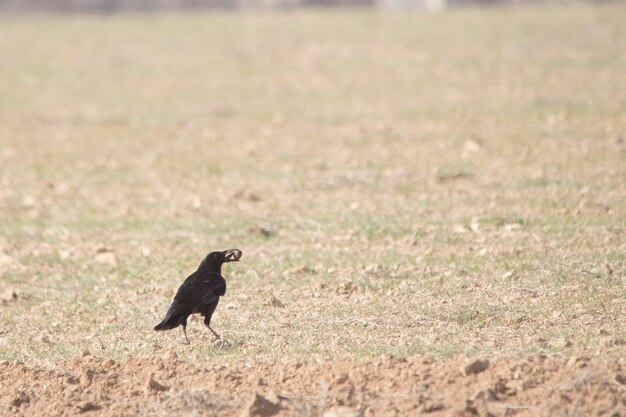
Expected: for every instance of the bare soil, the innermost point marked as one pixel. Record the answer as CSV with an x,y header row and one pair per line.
x,y
385,386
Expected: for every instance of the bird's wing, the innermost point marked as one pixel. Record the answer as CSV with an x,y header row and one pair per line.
x,y
201,287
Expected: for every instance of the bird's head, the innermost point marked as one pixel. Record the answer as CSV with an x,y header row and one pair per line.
x,y
214,260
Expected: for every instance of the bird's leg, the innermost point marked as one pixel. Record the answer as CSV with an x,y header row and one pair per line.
x,y
218,337
207,323
219,342
187,342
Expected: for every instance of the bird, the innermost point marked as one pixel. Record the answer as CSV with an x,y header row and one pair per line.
x,y
200,293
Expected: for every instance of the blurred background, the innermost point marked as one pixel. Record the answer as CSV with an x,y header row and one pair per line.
x,y
109,6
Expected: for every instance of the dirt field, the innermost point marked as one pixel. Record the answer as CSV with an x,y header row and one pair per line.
x,y
539,386
436,188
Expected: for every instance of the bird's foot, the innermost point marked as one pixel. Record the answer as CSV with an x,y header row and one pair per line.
x,y
222,344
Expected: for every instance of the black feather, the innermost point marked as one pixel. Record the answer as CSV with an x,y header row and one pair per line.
x,y
199,293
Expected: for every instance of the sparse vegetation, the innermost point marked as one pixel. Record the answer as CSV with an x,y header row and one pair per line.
x,y
407,183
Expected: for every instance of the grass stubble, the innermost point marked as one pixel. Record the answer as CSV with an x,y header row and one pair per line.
x,y
401,183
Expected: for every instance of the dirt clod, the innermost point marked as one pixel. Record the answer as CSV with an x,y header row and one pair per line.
x,y
476,366
21,397
347,288
154,385
86,377
375,387
342,378
170,356
85,406
8,296
266,232
260,407
433,407
274,302
272,397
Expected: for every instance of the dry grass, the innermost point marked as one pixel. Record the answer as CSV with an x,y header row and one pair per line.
x,y
426,183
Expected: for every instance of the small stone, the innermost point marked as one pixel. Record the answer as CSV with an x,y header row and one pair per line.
x,y
476,367
170,356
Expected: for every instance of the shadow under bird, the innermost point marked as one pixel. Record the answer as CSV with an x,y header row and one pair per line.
x,y
200,293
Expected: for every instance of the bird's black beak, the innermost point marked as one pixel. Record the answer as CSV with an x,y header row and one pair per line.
x,y
232,255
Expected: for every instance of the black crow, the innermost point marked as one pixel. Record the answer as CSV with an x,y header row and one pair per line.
x,y
200,292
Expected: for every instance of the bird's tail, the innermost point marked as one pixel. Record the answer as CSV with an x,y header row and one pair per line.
x,y
173,318
167,324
